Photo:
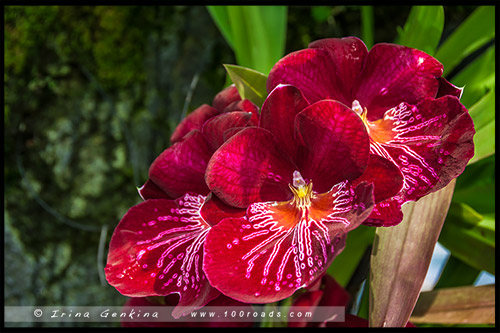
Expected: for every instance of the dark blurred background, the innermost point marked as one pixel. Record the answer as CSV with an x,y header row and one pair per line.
x,y
92,95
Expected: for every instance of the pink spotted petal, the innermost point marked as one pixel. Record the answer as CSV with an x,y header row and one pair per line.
x,y
215,210
393,74
157,249
194,120
278,115
385,176
431,143
446,88
333,144
214,128
250,167
386,213
226,97
181,167
279,247
152,191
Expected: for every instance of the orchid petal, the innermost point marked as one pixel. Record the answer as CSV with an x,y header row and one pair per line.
x,y
214,128
310,70
250,167
446,88
181,167
333,144
152,191
324,71
431,143
385,176
157,250
225,97
278,115
194,120
215,210
393,74
279,248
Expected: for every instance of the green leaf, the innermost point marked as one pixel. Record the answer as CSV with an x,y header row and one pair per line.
x,y
477,78
250,83
477,30
257,34
423,28
456,273
484,142
476,186
221,18
346,262
470,240
401,256
367,25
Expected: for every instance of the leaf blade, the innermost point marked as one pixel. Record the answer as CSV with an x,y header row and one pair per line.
x,y
250,83
401,256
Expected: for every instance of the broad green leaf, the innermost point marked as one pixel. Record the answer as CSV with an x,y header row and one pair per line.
x,y
477,78
483,112
459,305
221,18
464,215
367,25
456,273
484,142
346,262
476,186
477,30
423,28
401,256
470,240
364,306
250,83
257,34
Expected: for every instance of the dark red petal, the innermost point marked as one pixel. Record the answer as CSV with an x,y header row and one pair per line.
x,y
243,105
278,248
226,97
393,74
431,143
386,213
333,144
250,167
214,128
348,54
157,249
194,120
181,168
215,210
152,191
326,70
446,88
334,293
313,72
385,176
278,115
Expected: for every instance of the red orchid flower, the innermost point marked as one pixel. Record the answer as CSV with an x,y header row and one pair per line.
x,y
294,173
157,248
412,114
173,300
326,292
